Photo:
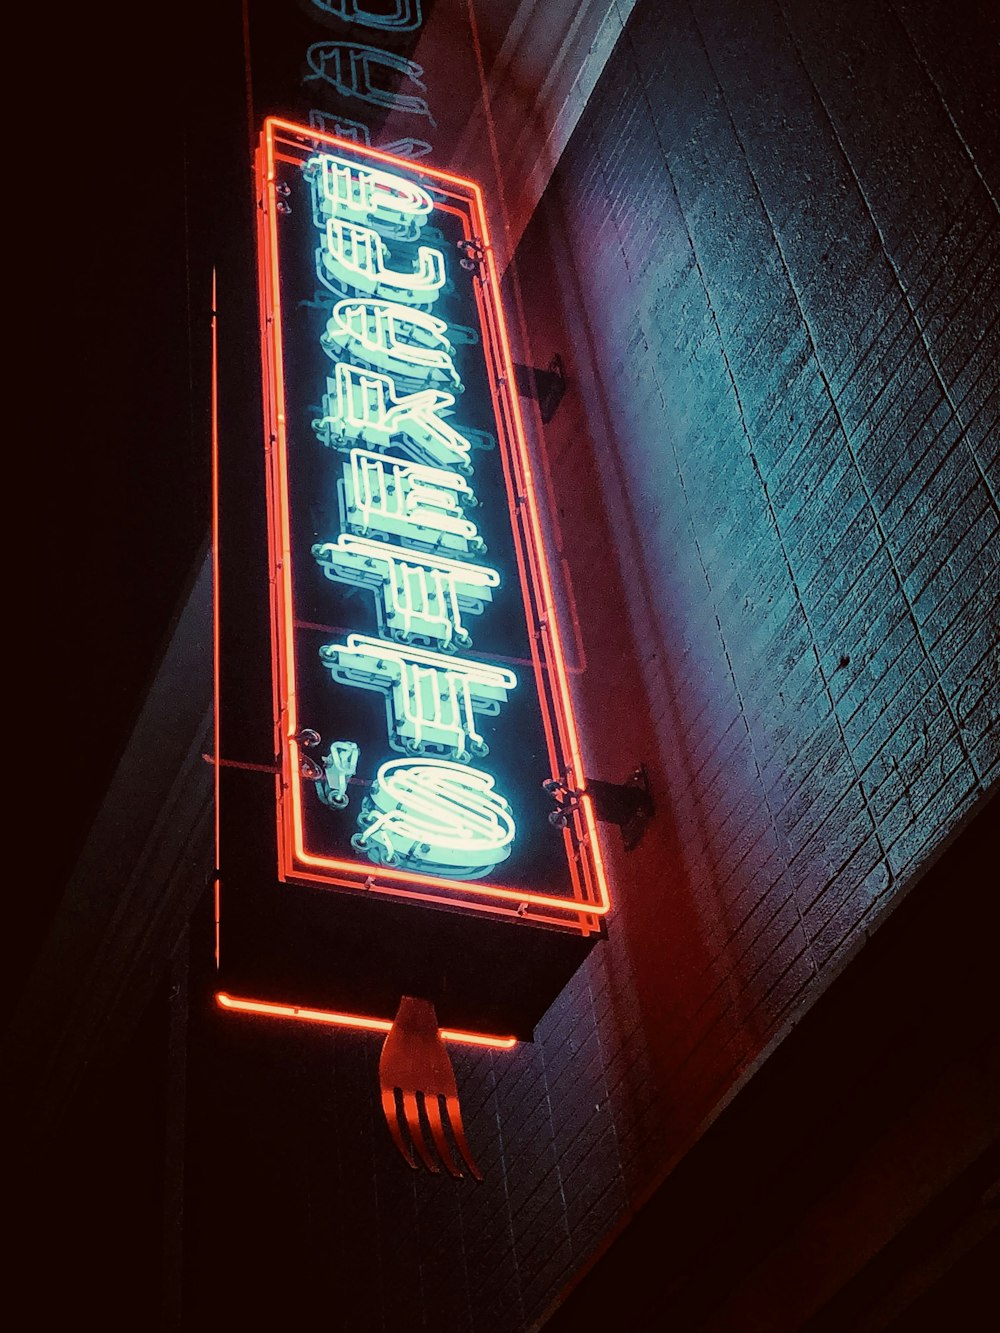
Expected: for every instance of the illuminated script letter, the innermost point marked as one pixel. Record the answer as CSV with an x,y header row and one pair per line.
x,y
362,407
345,128
435,817
421,506
432,701
394,206
395,16
341,126
419,598
410,345
355,257
408,147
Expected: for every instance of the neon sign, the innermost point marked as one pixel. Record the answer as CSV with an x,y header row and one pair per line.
x,y
414,634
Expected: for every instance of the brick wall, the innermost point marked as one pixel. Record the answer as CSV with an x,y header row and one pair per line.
x,y
769,260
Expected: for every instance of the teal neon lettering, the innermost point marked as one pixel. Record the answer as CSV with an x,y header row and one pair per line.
x,y
432,701
397,16
419,598
410,345
355,257
423,507
362,407
395,207
435,817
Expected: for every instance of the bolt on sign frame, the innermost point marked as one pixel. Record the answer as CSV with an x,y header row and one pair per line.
x,y
420,692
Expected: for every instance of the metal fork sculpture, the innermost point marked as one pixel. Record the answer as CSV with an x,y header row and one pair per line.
x,y
414,1068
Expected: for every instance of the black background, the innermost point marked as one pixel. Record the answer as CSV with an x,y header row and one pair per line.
x,y
131,181
112,273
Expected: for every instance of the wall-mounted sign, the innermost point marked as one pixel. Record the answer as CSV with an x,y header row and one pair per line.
x,y
421,698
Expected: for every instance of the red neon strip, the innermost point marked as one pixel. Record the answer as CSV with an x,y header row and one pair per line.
x,y
568,907
507,414
507,408
379,873
279,535
269,1010
553,508
530,599
306,134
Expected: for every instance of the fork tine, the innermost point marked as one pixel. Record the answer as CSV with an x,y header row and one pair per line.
x,y
411,1107
433,1108
457,1128
392,1120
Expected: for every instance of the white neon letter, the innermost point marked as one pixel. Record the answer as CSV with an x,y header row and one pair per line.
x,y
431,700
420,598
355,256
435,817
422,507
408,344
362,407
396,207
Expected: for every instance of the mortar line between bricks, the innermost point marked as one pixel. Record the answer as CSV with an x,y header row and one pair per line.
x,y
835,558
988,401
955,343
886,252
976,267
946,629
971,486
970,525
944,105
603,1063
881,749
879,524
564,1210
466,1278
900,396
930,306
506,1192
680,476
863,365
721,946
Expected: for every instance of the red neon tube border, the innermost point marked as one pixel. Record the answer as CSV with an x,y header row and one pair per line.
x,y
284,662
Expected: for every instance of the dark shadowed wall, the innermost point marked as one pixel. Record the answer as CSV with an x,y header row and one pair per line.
x,y
769,261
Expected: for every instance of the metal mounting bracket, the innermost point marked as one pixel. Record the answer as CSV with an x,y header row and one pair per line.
x,y
628,804
545,386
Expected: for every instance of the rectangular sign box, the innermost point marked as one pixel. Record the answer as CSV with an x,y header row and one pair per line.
x,y
421,694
